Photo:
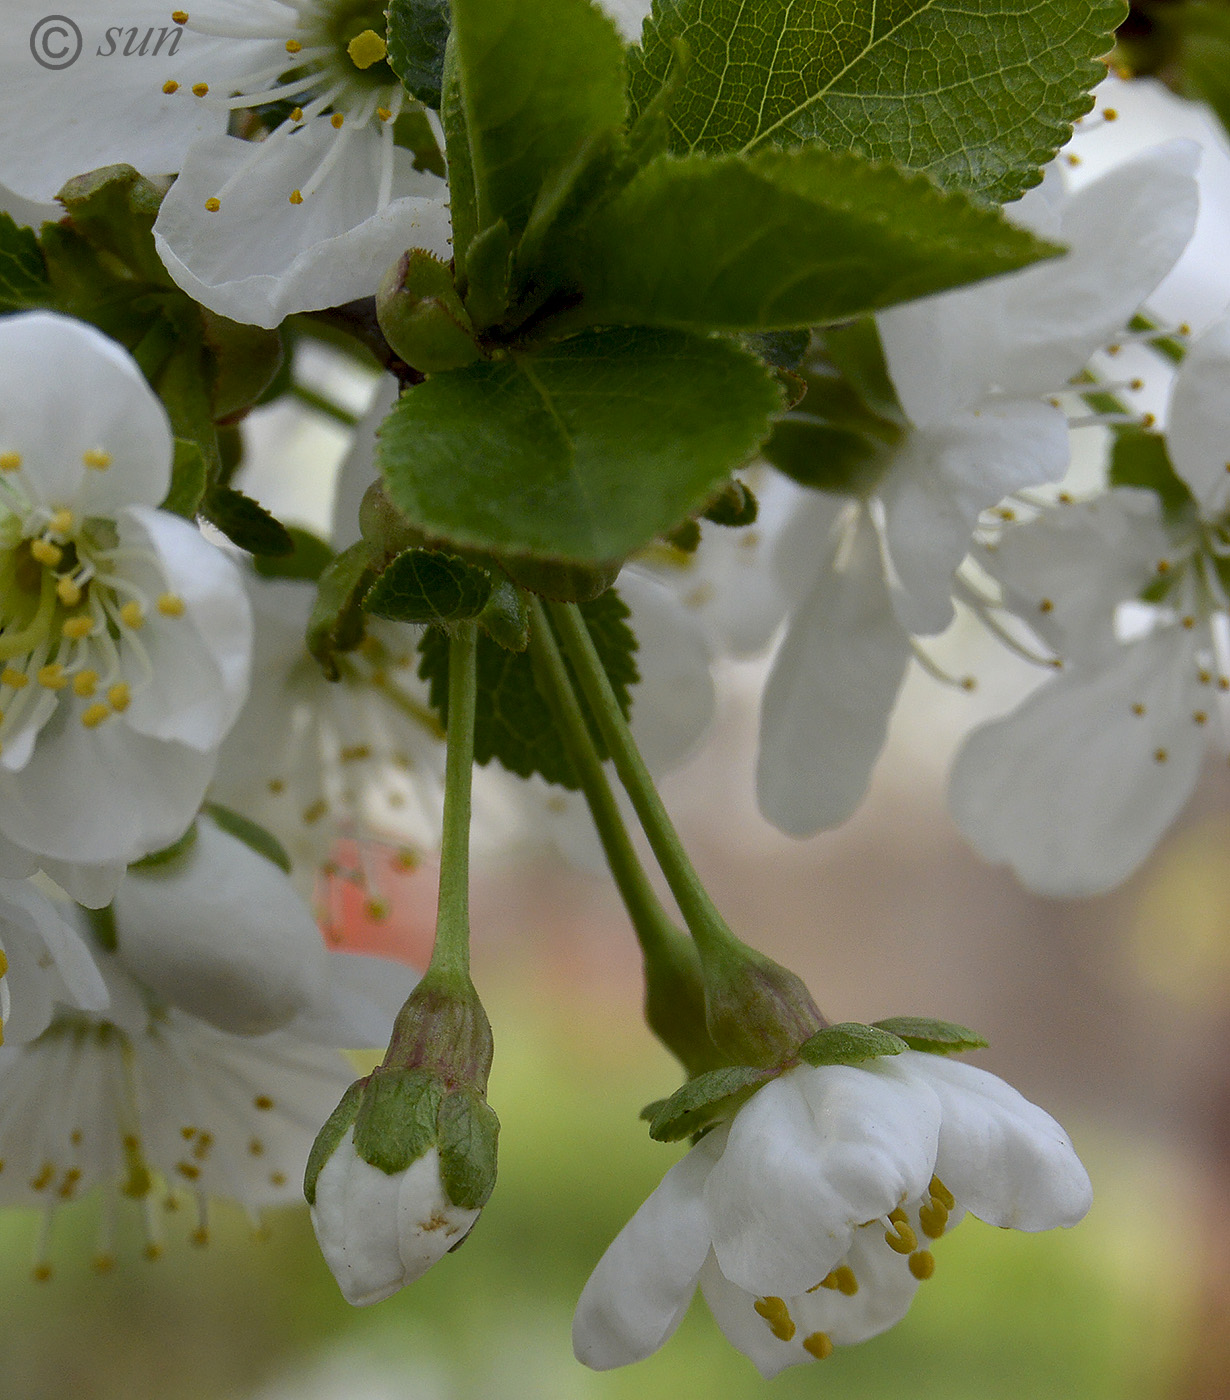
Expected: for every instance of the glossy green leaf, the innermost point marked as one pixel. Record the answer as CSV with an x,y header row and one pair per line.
x,y
426,586
418,33
582,452
787,239
977,93
246,522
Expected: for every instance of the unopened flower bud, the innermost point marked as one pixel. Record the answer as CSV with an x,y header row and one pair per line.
x,y
422,317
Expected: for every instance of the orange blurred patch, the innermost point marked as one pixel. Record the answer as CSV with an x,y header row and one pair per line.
x,y
378,899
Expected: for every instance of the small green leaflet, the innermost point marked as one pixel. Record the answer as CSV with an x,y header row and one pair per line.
x,y
850,1043
706,1099
23,275
580,453
514,723
784,239
245,522
977,93
936,1037
426,586
418,32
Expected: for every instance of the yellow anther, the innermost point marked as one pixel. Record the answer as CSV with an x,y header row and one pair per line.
x,y
376,909
256,1147
1138,708
200,1236
103,1263
4,963
901,1238
296,196
366,48
213,204
1163,566
14,679
940,1192
180,16
152,1251
1223,682
44,1178
119,697
1160,755
406,859
276,786
312,814
819,1344
777,1315
41,1273
293,46
170,605
841,1280
68,591
1109,114
296,114
1199,717
77,628
933,1217
922,1264
93,715
96,459
1148,420
52,677
386,115
170,86
132,615
336,120
1189,622
10,461
1074,160
85,683
46,552
61,522
67,1188
1046,606
263,1102
200,89
189,1170
277,1178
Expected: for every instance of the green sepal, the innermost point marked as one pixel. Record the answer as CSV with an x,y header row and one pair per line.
x,y
935,1037
850,1043
734,506
396,1121
825,457
167,854
309,559
581,452
114,209
188,479
334,1130
651,1110
685,537
251,833
245,522
1139,458
468,1140
709,1098
426,586
422,316
243,362
23,272
857,352
489,263
506,616
337,620
514,723
418,35
562,583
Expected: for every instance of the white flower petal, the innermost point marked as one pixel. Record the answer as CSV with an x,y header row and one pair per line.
x,y
358,469
259,258
629,15
362,998
1005,1159
833,685
48,961
67,390
942,478
1198,425
1069,789
641,1287
810,1156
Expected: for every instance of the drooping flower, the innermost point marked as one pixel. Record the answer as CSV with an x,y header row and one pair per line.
x,y
809,1220
1077,785
124,636
974,370
43,960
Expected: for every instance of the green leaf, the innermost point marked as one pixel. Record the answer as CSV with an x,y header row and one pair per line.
x,y
243,361
582,452
514,723
337,622
330,1135
245,522
534,82
469,1137
708,1098
825,457
937,1037
253,835
786,239
396,1122
418,33
167,854
308,560
23,273
114,208
1203,31
188,479
426,586
849,1043
1139,458
977,93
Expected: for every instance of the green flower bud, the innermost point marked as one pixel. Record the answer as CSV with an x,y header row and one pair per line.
x,y
422,317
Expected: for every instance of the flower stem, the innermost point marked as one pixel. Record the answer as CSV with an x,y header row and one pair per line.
x,y
710,930
450,959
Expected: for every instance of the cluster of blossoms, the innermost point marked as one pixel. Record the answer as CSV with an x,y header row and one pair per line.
x,y
211,723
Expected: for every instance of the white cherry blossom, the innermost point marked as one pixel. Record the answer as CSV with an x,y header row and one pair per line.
x,y
43,961
124,636
809,1220
974,370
